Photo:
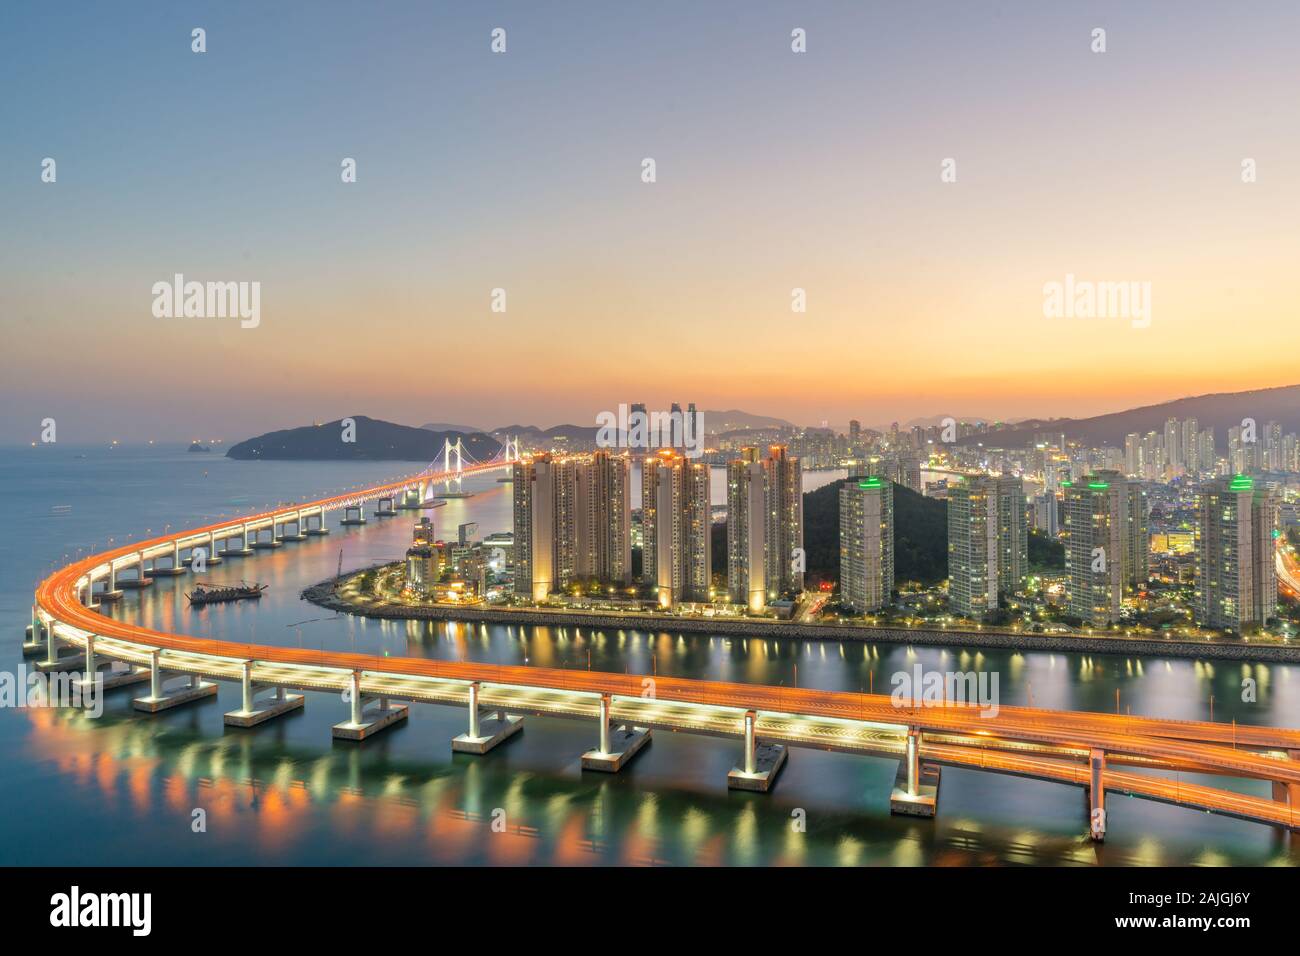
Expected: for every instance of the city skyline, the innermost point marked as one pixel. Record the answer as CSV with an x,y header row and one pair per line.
x,y
478,171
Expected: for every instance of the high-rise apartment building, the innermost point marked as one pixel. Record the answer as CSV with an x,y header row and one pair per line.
x,y
764,526
866,543
1094,545
676,528
988,543
1136,534
1191,445
1013,534
572,522
972,548
1236,532
1047,514
534,524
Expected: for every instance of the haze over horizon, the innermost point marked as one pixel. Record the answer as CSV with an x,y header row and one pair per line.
x,y
522,171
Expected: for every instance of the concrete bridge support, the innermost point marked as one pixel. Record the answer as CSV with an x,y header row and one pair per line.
x,y
1097,795
384,507
1285,792
209,548
34,637
298,533
243,550
253,711
54,659
162,698
617,745
916,785
320,524
761,764
485,732
365,720
176,568
141,579
92,664
354,514
111,591
259,544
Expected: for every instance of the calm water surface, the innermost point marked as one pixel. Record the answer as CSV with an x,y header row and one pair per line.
x,y
122,788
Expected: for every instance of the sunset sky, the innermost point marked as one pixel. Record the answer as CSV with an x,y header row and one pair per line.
x,y
522,171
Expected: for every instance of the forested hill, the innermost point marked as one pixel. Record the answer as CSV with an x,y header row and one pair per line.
x,y
375,440
920,534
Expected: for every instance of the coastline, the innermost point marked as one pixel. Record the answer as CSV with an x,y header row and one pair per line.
x,y
323,595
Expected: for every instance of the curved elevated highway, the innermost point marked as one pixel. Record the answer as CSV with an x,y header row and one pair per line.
x,y
1081,749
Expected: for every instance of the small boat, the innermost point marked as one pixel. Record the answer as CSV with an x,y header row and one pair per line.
x,y
206,594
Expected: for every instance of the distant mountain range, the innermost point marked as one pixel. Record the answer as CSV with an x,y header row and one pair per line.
x,y
1219,411
375,441
385,441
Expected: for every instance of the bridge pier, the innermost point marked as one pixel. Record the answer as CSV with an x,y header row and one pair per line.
x,y
53,662
1284,791
110,681
485,733
298,533
761,764
88,596
259,544
412,499
111,591
34,636
350,510
617,745
916,785
141,580
320,524
384,508
366,722
211,547
1096,795
253,711
162,698
243,550
176,567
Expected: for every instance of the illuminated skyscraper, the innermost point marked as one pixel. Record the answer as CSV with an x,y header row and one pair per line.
x,y
676,528
1094,545
972,548
764,526
534,523
866,543
1136,535
1236,538
988,543
572,522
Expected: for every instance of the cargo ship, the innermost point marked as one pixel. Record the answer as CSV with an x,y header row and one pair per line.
x,y
204,594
